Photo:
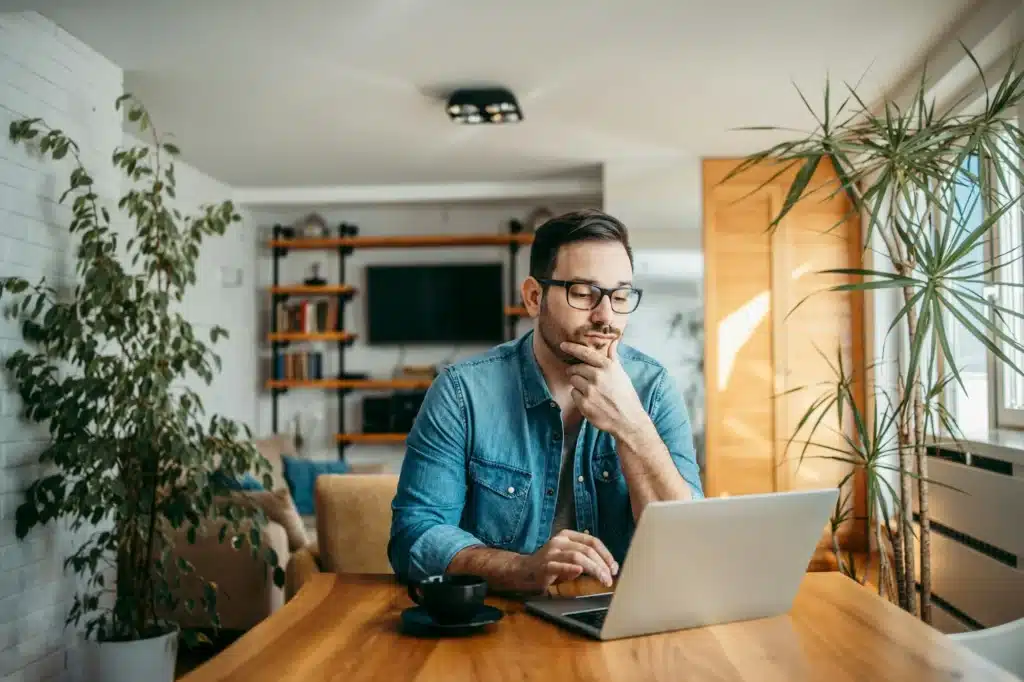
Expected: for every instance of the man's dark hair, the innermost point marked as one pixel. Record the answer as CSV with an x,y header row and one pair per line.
x,y
576,226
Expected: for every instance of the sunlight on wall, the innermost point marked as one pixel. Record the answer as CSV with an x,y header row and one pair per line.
x,y
735,330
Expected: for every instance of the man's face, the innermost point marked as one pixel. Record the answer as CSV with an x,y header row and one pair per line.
x,y
604,263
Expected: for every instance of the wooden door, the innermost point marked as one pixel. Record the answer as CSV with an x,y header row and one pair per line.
x,y
754,278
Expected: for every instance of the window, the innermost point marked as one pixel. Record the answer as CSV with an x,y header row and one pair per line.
x,y
970,403
1008,293
993,392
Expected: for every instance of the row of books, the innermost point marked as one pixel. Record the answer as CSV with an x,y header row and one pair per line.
x,y
299,365
307,316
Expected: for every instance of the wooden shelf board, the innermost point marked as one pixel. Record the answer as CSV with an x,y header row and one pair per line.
x,y
370,438
327,289
516,311
316,336
401,241
354,384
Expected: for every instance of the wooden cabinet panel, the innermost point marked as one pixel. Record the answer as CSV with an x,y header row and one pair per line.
x,y
755,353
740,369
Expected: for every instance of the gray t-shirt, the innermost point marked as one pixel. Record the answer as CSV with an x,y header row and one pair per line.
x,y
565,504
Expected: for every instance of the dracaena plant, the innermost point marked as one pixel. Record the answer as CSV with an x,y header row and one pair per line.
x,y
932,189
108,367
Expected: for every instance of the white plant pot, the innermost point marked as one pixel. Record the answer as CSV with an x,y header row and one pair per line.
x,y
151,660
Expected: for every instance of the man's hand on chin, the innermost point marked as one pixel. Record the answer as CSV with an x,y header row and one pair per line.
x,y
603,391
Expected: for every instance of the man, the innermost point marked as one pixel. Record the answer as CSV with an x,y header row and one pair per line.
x,y
530,464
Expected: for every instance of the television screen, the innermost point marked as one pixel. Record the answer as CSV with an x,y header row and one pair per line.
x,y
443,303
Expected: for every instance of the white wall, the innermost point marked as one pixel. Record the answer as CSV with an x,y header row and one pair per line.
x,y
43,72
224,294
659,200
317,408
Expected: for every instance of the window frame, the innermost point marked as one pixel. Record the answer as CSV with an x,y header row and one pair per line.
x,y
1002,416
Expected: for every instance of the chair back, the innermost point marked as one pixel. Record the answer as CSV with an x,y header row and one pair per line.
x,y
1002,644
353,521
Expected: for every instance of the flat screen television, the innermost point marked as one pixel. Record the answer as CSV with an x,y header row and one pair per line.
x,y
435,304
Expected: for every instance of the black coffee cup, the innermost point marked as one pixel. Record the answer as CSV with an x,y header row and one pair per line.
x,y
449,598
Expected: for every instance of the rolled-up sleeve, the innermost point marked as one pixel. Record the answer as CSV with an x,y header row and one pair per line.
x,y
427,508
672,421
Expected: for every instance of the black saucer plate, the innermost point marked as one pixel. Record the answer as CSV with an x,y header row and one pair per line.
x,y
416,621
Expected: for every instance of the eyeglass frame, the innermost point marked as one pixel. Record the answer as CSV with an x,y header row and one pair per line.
x,y
565,284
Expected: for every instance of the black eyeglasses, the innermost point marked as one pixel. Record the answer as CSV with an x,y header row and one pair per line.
x,y
587,296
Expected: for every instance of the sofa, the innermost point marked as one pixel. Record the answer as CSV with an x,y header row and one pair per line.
x,y
245,586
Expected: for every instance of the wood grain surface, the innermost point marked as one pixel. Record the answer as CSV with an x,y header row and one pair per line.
x,y
347,628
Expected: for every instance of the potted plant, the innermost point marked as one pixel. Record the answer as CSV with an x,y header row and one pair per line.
x,y
934,188
109,368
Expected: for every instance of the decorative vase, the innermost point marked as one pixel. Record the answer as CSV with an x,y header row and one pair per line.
x,y
152,659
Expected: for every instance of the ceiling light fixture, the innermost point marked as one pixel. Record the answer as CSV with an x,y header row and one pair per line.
x,y
483,105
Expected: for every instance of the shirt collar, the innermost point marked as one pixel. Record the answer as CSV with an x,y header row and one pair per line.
x,y
535,388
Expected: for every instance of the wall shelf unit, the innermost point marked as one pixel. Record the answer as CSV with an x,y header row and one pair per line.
x,y
370,438
321,322
350,384
287,337
314,290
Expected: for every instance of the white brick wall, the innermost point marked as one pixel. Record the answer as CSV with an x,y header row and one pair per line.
x,y
47,73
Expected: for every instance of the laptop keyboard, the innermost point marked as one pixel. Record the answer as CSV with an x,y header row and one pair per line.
x,y
593,618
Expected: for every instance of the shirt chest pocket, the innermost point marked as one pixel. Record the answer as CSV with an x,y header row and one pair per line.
x,y
498,499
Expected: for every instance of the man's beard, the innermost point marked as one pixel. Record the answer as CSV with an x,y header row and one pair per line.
x,y
552,335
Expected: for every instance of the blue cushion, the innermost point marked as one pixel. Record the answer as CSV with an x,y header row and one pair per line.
x,y
301,476
246,482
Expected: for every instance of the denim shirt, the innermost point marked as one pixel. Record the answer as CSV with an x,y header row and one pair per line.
x,y
482,461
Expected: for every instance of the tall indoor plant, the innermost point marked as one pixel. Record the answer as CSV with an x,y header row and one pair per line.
x,y
918,177
108,367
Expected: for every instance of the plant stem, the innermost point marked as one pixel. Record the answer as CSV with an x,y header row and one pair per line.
x,y
922,493
908,445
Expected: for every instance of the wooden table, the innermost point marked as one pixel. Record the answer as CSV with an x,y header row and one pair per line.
x,y
347,628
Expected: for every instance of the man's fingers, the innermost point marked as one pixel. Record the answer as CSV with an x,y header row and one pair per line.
x,y
584,353
613,348
560,571
580,384
598,546
592,565
584,370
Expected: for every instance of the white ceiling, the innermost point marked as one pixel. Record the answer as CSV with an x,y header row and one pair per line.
x,y
341,92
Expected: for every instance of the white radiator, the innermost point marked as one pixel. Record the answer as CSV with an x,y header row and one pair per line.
x,y
977,536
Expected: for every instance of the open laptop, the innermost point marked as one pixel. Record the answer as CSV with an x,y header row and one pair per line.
x,y
703,562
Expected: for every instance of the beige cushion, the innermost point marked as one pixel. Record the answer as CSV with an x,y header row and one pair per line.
x,y
353,520
272,448
279,507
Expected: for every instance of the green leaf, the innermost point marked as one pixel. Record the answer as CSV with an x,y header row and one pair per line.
x,y
921,330
796,189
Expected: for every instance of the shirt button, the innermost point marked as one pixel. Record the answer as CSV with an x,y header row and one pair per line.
x,y
553,404
580,479
550,492
558,437
586,531
511,490
605,474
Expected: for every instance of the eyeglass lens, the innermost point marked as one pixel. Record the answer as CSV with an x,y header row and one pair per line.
x,y
587,297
